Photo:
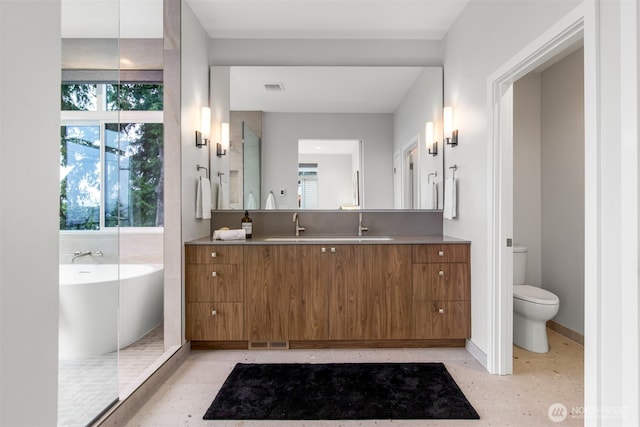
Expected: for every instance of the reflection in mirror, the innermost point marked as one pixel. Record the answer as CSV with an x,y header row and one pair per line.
x,y
328,174
251,166
385,108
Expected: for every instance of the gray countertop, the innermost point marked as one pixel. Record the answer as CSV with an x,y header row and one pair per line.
x,y
342,240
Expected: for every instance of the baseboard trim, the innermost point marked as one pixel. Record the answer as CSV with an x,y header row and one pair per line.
x,y
126,408
567,332
477,354
376,343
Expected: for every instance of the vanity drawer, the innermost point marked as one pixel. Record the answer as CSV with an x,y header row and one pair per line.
x,y
214,321
214,254
440,253
214,282
445,282
442,320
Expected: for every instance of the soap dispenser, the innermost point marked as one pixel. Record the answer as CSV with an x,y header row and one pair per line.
x,y
247,224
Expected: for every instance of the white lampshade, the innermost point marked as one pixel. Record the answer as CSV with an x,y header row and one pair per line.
x,y
205,125
429,134
224,135
448,121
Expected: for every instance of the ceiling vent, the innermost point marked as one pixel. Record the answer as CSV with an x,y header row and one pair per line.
x,y
276,87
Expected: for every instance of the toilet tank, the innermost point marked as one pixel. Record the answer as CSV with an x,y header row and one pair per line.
x,y
519,265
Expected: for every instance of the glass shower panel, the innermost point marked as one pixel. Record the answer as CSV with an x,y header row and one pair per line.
x,y
88,363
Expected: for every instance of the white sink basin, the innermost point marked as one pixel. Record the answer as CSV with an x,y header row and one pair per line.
x,y
330,239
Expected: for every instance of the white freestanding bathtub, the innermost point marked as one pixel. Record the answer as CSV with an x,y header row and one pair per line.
x,y
99,313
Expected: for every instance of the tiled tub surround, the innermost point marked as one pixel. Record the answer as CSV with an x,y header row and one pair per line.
x,y
124,246
334,223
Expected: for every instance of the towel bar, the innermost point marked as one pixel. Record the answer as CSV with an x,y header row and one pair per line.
x,y
206,174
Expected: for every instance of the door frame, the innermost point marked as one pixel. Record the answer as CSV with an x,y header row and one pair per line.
x,y
563,34
414,143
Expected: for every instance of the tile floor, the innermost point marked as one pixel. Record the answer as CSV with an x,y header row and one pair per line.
x,y
87,386
522,399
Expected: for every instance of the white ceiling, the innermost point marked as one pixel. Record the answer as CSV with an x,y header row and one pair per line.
x,y
327,19
321,89
275,19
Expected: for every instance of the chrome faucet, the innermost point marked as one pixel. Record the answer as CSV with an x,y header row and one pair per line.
x,y
296,220
78,254
361,228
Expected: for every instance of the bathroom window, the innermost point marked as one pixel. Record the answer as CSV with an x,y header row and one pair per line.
x,y
111,160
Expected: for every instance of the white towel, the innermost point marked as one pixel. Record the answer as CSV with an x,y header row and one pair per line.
x,y
203,198
450,198
271,201
219,199
432,195
238,234
251,201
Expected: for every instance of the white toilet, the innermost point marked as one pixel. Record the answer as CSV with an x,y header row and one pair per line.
x,y
532,307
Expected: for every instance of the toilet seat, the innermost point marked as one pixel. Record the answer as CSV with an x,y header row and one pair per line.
x,y
534,295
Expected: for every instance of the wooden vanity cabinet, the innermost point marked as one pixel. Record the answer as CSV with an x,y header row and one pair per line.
x,y
214,293
377,294
441,300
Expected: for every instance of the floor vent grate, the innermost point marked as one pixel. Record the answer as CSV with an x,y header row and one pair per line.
x,y
262,345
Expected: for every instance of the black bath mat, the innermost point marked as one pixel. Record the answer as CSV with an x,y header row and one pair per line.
x,y
340,391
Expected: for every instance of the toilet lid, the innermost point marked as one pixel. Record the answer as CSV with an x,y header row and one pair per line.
x,y
535,295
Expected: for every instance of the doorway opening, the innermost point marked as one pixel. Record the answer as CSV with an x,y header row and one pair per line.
x,y
562,36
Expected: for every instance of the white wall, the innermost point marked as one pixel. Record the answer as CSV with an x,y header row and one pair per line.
x,y
485,36
527,197
29,193
280,135
326,52
562,177
422,104
195,95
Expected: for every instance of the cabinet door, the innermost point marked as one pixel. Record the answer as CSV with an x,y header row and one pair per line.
x,y
309,304
371,293
385,292
345,299
214,321
270,271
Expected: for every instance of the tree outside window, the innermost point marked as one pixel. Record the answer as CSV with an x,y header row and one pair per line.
x,y
111,172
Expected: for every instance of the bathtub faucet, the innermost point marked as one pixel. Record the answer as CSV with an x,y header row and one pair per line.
x,y
78,254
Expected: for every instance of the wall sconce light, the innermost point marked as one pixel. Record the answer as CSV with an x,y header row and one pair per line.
x,y
431,145
203,135
221,147
450,135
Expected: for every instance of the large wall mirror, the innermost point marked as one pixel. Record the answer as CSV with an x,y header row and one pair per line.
x,y
334,138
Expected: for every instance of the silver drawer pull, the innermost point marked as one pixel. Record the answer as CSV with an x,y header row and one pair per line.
x,y
214,312
333,249
323,250
214,254
441,310
440,253
441,273
214,273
